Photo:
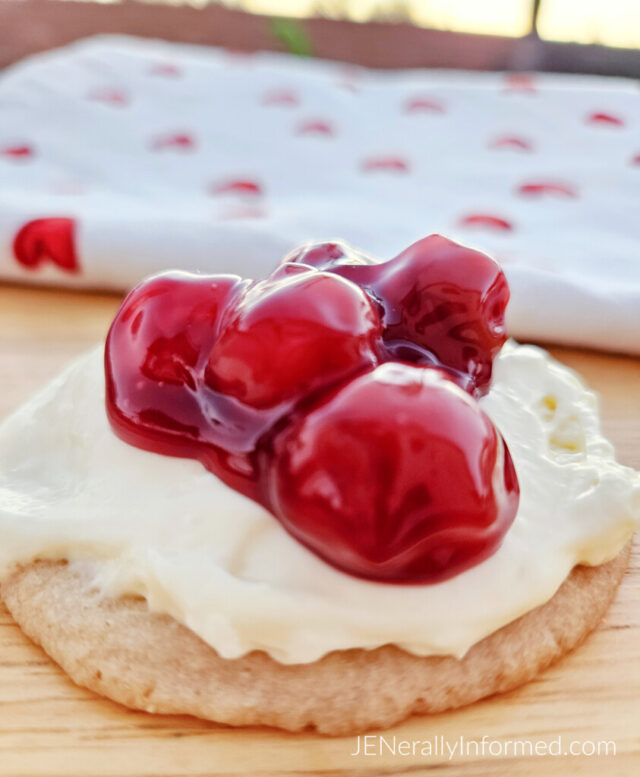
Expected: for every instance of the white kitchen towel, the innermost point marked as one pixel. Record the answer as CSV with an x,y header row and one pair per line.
x,y
121,157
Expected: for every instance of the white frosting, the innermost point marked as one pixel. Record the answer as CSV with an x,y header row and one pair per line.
x,y
169,530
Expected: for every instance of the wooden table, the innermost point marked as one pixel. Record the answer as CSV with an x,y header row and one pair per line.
x,y
50,727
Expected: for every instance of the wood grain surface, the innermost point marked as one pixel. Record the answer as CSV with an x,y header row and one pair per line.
x,y
50,727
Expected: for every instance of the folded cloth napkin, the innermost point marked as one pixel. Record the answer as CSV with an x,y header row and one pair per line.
x,y
121,157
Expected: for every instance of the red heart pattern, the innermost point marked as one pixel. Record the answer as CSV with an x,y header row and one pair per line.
x,y
539,189
511,142
316,127
47,240
487,220
423,105
165,69
17,152
394,164
114,97
602,119
182,141
243,187
249,147
282,97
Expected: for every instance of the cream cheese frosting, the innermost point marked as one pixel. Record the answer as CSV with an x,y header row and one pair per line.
x,y
165,528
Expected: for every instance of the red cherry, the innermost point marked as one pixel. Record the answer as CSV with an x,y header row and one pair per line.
x,y
160,331
327,256
441,303
155,358
299,331
450,300
51,239
397,476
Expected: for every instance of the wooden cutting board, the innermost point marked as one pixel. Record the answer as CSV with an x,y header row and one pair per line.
x,y
48,726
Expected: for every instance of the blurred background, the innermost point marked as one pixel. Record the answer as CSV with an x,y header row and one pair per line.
x,y
590,36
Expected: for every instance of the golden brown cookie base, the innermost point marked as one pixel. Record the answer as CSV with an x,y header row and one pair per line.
x,y
148,661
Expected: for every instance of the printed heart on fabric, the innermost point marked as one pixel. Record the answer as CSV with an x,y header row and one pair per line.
x,y
47,240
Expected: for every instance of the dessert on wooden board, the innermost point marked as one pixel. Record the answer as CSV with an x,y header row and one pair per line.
x,y
331,498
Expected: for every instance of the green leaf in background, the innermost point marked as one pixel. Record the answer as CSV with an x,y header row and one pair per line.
x,y
293,35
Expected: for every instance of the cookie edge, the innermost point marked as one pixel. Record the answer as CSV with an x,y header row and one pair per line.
x,y
144,660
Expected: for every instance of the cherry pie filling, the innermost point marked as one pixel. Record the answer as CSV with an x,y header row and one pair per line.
x,y
340,393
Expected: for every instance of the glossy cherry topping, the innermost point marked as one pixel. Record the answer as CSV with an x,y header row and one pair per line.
x,y
293,334
397,474
444,298
332,393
